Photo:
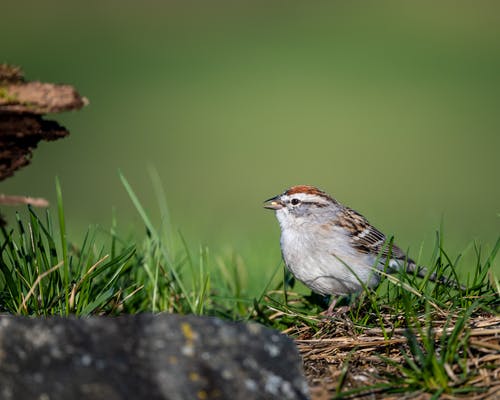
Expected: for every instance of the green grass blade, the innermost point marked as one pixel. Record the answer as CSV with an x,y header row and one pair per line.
x,y
138,205
64,246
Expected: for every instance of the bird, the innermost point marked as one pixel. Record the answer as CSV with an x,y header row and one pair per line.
x,y
332,248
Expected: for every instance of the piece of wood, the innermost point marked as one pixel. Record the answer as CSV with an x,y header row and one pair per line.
x,y
22,105
22,127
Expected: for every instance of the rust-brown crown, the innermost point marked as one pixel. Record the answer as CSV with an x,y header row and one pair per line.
x,y
308,189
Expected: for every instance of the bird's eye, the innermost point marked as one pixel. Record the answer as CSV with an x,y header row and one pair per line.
x,y
295,202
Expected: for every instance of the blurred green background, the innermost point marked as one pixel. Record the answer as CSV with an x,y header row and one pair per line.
x,y
391,107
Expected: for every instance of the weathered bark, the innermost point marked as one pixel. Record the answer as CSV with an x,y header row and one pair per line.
x,y
19,135
38,98
22,105
22,127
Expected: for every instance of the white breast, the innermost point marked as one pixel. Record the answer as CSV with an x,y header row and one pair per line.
x,y
324,260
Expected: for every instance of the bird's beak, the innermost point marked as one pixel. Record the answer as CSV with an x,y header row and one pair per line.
x,y
274,203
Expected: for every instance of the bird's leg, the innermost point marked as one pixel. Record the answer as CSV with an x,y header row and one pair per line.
x,y
341,310
329,312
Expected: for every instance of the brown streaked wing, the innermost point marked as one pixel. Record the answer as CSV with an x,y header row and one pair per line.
x,y
365,237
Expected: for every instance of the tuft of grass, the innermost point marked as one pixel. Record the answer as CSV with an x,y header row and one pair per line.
x,y
38,277
178,279
43,273
174,280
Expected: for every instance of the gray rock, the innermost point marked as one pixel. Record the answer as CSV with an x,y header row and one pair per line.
x,y
146,357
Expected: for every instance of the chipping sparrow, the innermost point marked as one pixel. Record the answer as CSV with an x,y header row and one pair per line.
x,y
331,248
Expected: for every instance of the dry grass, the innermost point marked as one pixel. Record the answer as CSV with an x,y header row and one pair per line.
x,y
342,360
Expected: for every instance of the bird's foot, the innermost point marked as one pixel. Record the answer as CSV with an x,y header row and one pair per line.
x,y
337,312
332,312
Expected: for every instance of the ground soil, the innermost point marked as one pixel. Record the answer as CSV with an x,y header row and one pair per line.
x,y
340,358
